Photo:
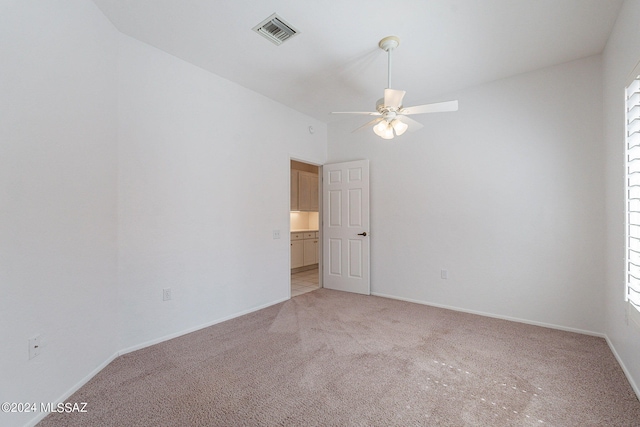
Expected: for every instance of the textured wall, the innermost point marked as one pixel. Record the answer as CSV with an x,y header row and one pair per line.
x,y
506,194
620,57
58,85
124,170
204,175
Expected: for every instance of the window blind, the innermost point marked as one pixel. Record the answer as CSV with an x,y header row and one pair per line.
x,y
633,191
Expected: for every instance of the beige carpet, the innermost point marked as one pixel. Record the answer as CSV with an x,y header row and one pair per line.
x,y
329,358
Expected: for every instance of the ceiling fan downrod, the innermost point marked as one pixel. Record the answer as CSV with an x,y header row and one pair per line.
x,y
388,44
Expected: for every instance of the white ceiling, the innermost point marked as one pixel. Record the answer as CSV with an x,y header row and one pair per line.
x,y
334,64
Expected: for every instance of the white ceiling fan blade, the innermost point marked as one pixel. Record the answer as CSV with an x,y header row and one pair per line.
x,y
413,125
366,113
393,98
366,125
439,107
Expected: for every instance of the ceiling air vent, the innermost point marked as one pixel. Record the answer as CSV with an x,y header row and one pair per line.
x,y
275,28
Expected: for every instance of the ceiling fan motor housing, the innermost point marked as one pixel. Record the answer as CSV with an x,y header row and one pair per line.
x,y
388,113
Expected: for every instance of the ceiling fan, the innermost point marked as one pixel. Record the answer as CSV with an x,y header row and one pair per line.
x,y
391,115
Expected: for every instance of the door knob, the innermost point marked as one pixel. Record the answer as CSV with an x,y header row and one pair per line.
x,y
364,233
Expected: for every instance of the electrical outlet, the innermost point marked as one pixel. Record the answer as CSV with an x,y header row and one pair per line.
x,y
276,234
166,294
34,347
444,274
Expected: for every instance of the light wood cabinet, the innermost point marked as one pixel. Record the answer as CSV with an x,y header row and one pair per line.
x,y
304,191
310,251
304,249
313,190
297,253
294,190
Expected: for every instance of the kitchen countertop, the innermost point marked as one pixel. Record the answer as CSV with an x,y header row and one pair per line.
x,y
303,231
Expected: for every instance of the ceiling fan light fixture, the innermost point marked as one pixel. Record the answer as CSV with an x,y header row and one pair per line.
x,y
383,130
399,127
380,127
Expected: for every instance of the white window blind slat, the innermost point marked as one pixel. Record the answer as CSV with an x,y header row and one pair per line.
x,y
633,128
632,103
634,217
633,205
634,297
634,257
634,232
633,116
633,140
633,179
633,193
633,152
634,244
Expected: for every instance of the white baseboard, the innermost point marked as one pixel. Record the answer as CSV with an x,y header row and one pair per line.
x,y
495,316
73,389
93,373
627,374
110,359
196,328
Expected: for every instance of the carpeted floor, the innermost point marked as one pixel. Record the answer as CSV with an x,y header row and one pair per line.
x,y
328,358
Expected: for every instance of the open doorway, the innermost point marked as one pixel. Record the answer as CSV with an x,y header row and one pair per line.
x,y
305,220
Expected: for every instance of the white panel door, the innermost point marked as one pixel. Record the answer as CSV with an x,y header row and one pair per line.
x,y
345,243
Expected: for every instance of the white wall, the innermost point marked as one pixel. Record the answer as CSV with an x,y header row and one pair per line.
x,y
203,182
620,57
57,197
124,170
506,194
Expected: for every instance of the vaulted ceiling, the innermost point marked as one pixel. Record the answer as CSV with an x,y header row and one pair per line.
x,y
334,63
